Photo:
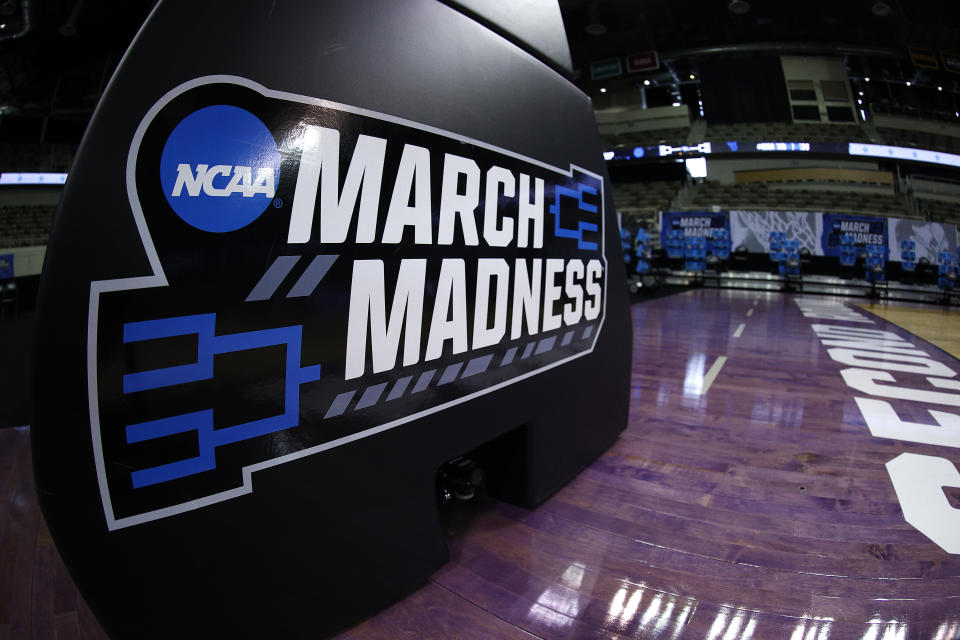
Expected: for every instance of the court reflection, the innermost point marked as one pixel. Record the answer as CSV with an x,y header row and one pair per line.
x,y
693,379
812,628
878,629
733,624
559,604
664,614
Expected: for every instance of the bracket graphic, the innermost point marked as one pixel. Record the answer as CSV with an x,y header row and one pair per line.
x,y
577,234
208,345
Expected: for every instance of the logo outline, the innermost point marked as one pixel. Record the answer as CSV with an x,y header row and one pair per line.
x,y
158,279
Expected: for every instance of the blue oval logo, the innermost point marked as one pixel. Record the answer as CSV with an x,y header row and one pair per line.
x,y
219,168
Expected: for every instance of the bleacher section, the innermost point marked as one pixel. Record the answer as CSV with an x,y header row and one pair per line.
x,y
25,226
785,132
641,201
815,174
919,140
939,210
24,156
760,196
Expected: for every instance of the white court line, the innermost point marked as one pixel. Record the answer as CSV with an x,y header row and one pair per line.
x,y
739,331
711,375
749,312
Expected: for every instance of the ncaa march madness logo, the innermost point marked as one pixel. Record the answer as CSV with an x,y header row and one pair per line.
x,y
220,134
321,273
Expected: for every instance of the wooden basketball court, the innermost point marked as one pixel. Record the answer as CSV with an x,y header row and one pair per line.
x,y
747,498
940,326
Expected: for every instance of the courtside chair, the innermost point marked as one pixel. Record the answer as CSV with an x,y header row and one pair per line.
x,y
695,255
848,254
946,273
875,268
908,260
720,244
642,250
674,244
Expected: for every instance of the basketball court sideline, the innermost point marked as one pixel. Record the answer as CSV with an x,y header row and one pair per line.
x,y
750,503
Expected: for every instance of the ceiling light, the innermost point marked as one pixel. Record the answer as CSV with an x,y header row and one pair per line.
x,y
603,90
595,26
739,7
939,88
693,77
908,83
595,29
646,83
866,79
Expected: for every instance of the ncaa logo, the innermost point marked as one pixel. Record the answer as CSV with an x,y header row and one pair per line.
x,y
219,168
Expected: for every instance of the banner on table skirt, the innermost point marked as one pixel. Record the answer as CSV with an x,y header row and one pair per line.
x,y
866,230
695,224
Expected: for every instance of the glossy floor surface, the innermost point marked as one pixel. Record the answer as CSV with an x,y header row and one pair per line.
x,y
745,499
37,597
937,325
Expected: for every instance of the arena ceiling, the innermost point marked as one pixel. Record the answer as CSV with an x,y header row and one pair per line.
x,y
691,29
668,25
57,55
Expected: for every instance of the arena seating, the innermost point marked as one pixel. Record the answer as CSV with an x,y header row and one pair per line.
x,y
25,226
784,132
822,174
25,156
938,210
919,139
641,201
759,196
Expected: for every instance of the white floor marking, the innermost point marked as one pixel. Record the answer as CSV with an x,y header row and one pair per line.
x,y
739,331
711,375
749,313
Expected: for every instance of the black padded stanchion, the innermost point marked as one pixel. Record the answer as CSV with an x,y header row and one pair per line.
x,y
308,252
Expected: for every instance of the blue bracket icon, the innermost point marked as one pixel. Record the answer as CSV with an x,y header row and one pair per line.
x,y
577,234
208,345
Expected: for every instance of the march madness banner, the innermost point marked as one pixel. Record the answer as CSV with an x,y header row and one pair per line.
x,y
866,230
694,223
